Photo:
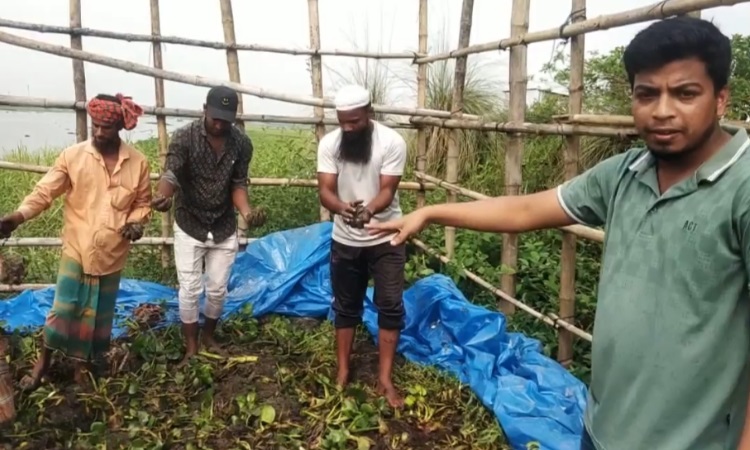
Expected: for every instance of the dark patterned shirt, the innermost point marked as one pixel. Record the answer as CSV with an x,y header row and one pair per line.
x,y
205,180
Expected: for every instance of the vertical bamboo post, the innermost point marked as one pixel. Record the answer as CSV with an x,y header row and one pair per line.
x,y
457,106
570,157
233,64
422,97
519,24
316,75
161,121
79,75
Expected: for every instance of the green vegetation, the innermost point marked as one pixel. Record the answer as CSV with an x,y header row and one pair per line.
x,y
276,393
295,361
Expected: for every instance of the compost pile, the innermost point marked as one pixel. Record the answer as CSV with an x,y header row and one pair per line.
x,y
12,269
276,391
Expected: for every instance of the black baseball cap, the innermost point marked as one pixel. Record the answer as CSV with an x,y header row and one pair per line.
x,y
221,103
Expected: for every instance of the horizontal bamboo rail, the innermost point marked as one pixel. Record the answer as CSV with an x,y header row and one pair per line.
x,y
655,11
57,242
550,319
130,37
624,121
195,80
548,129
585,232
586,129
289,182
44,103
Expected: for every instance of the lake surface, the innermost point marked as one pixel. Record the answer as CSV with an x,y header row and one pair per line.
x,y
34,130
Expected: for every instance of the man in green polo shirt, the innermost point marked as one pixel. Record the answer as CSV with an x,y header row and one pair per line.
x,y
672,334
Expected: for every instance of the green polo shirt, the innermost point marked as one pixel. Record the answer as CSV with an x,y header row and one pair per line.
x,y
672,328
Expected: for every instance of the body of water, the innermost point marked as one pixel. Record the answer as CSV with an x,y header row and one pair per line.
x,y
34,130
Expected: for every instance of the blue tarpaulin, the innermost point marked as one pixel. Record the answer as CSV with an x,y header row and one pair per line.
x,y
538,403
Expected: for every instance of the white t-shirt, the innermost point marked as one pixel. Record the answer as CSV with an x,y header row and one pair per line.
x,y
362,181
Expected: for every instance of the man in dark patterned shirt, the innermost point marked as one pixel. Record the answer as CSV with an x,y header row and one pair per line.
x,y
206,171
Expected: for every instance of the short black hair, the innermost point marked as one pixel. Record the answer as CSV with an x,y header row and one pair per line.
x,y
676,39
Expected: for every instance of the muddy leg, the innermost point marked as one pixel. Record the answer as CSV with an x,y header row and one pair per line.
x,y
344,342
387,344
387,266
190,333
31,382
81,374
207,336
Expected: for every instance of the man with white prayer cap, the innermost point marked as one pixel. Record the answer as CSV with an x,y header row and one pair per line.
x,y
360,165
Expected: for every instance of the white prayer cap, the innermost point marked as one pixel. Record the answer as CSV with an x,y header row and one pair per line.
x,y
351,97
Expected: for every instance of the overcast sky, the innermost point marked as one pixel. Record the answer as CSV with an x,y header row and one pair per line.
x,y
388,25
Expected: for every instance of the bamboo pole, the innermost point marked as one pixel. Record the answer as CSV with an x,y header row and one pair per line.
x,y
254,181
422,96
626,121
457,106
550,319
655,11
519,24
233,65
130,37
592,234
161,122
570,157
36,103
79,75
548,129
57,242
196,80
316,77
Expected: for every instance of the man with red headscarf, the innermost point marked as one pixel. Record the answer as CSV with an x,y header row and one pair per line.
x,y
107,202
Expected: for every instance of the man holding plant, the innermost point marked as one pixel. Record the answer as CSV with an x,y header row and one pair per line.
x,y
206,172
360,166
107,203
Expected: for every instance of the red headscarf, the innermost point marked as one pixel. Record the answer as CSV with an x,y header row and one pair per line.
x,y
110,112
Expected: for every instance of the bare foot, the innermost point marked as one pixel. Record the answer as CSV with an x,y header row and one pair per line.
x,y
31,382
391,394
81,377
342,379
189,355
212,346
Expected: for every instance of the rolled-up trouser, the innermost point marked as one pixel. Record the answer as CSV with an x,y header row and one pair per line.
x,y
190,255
351,268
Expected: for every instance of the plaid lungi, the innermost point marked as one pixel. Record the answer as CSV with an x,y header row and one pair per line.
x,y
79,325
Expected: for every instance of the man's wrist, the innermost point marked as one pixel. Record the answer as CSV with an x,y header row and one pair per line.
x,y
18,217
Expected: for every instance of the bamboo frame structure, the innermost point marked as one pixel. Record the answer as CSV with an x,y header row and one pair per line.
x,y
624,121
424,120
655,11
52,104
570,156
130,37
591,234
519,24
79,75
233,66
457,106
316,77
195,80
288,182
161,122
549,319
422,96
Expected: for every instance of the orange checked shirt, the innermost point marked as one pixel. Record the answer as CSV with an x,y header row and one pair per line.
x,y
96,205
